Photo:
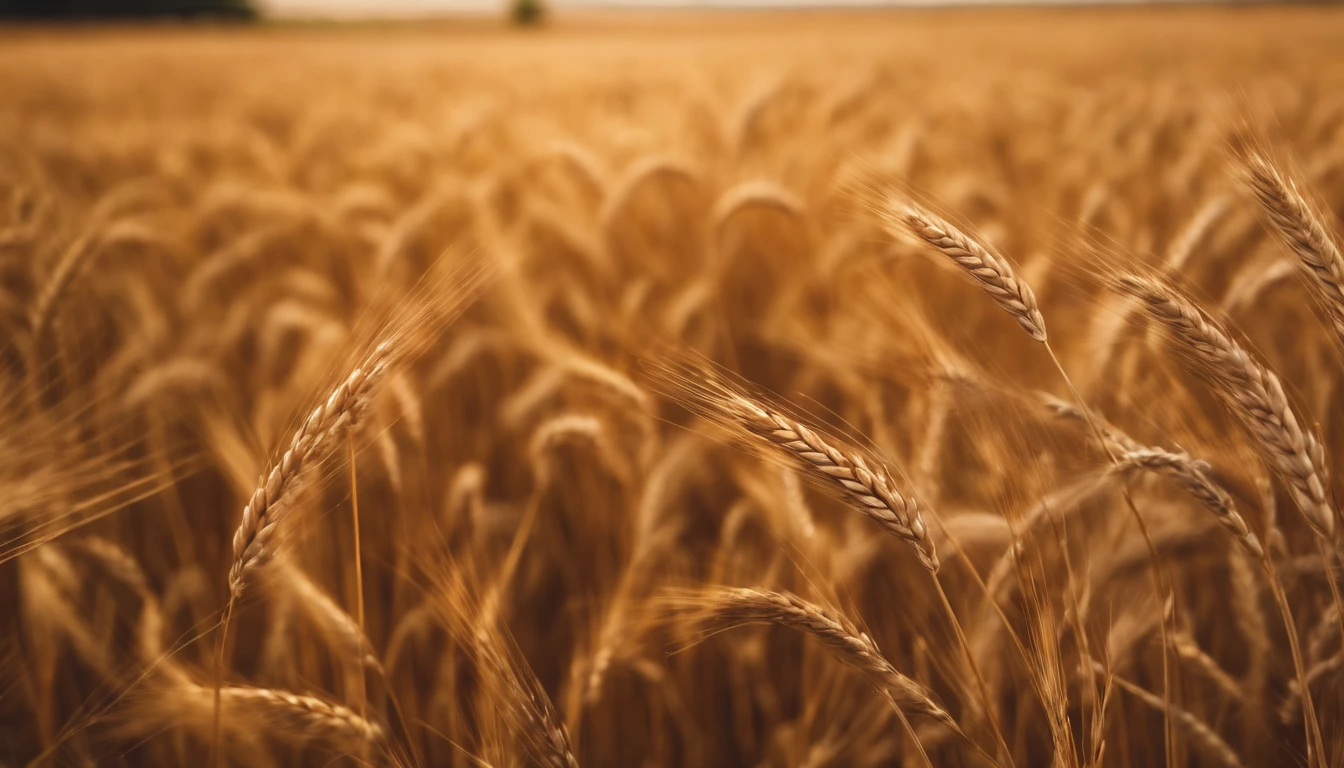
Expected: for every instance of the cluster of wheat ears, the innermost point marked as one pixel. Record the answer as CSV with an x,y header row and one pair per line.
x,y
931,390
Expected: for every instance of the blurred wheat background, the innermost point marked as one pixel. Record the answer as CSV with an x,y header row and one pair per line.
x,y
786,389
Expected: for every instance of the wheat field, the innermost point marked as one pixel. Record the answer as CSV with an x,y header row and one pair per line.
x,y
786,389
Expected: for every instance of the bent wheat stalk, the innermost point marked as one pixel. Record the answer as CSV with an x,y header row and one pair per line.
x,y
1209,743
1192,477
1256,398
870,489
735,605
859,478
996,276
316,440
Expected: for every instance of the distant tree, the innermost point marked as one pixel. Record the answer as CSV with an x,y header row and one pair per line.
x,y
528,12
98,9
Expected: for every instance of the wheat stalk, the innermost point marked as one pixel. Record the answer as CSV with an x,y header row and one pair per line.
x,y
121,566
1116,441
1189,649
1185,241
73,262
999,281
329,617
1209,743
513,691
1292,701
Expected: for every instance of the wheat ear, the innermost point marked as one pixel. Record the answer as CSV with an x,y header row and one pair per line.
x,y
1253,393
1192,477
315,716
1191,474
993,272
865,482
1301,228
72,263
316,440
732,605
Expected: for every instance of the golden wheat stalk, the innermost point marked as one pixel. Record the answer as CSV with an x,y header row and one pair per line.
x,y
860,478
1000,282
73,262
1207,666
333,622
1291,706
1188,238
1206,740
1117,442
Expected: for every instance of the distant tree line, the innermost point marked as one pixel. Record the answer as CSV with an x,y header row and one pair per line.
x,y
528,12
126,9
